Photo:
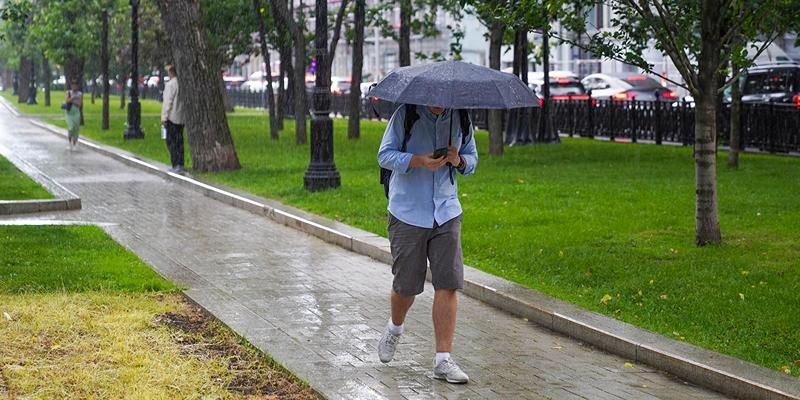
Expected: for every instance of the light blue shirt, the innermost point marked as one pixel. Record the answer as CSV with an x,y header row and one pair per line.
x,y
419,196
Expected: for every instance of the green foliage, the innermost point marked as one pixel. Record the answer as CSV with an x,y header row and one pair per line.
x,y
43,259
230,25
65,29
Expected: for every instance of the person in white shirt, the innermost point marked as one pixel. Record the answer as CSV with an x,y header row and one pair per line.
x,y
172,119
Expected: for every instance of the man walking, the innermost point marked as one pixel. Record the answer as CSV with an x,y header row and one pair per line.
x,y
172,119
425,221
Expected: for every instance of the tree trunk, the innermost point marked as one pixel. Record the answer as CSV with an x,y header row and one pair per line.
x,y
104,60
705,133
299,87
405,32
736,123
24,79
262,36
354,124
207,128
47,77
124,84
285,52
496,31
227,103
546,133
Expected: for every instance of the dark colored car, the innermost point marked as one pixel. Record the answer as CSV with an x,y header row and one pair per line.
x,y
778,83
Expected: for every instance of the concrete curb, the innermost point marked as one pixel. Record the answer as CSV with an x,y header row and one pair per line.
x,y
65,200
719,372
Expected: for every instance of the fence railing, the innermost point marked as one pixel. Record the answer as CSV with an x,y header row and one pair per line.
x,y
766,127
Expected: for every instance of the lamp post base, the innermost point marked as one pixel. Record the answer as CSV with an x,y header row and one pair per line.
x,y
134,130
322,176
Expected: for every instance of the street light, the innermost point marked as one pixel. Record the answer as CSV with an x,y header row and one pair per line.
x,y
321,173
134,130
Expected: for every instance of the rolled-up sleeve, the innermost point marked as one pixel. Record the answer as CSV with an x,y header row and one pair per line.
x,y
389,154
470,154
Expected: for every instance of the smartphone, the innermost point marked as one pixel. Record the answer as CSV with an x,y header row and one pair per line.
x,y
439,153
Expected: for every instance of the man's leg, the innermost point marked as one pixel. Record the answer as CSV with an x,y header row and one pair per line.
x,y
445,304
171,142
179,145
400,307
447,268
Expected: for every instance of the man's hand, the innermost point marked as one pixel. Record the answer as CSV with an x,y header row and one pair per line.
x,y
452,156
427,161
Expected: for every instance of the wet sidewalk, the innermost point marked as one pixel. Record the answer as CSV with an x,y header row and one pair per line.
x,y
318,309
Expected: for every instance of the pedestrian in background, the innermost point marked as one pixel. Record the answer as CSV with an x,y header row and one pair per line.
x,y
172,119
72,111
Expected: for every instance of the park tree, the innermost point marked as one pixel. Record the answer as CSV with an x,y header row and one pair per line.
x,y
262,15
490,14
416,16
359,20
700,37
210,138
296,29
230,25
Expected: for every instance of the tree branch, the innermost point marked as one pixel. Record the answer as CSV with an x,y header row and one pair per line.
x,y
675,51
283,14
620,59
336,32
736,76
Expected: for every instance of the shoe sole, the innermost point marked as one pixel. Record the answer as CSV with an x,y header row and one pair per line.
x,y
444,378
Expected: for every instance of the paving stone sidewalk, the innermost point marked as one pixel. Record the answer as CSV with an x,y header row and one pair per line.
x,y
316,308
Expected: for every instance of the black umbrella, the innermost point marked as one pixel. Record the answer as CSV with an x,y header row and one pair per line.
x,y
454,84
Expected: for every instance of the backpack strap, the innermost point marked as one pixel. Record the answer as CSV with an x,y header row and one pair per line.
x,y
466,122
411,118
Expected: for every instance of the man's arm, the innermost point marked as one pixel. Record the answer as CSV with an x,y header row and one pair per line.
x,y
166,102
468,154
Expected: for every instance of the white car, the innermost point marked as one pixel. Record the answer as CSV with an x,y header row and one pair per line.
x,y
627,86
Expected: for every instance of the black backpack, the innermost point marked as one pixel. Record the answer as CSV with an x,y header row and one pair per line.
x,y
411,119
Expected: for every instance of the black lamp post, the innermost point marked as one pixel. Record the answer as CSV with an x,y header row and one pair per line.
x,y
321,173
32,90
134,130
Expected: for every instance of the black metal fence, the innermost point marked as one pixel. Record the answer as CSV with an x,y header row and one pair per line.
x,y
767,127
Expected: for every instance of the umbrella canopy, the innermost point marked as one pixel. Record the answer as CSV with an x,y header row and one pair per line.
x,y
454,84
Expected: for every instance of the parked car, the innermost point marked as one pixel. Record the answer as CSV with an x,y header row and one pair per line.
x,y
233,81
340,86
627,86
776,83
560,89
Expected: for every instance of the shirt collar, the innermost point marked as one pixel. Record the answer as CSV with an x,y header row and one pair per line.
x,y
424,110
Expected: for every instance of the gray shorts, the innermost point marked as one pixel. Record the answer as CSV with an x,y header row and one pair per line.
x,y
413,246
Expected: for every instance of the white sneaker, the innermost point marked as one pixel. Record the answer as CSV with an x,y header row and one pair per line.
x,y
448,370
387,346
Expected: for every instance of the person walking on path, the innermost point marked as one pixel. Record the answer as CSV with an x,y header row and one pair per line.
x,y
425,222
172,119
72,111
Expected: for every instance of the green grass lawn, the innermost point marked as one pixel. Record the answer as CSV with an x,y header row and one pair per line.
x,y
15,185
82,317
58,97
39,259
607,226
